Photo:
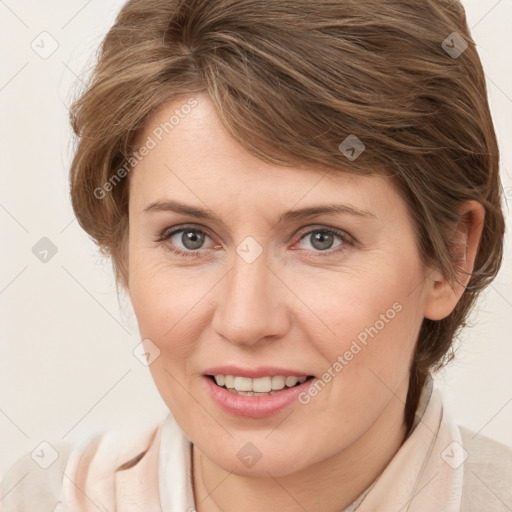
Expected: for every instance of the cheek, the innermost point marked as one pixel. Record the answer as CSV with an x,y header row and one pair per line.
x,y
371,320
168,302
367,358
375,301
167,305
155,290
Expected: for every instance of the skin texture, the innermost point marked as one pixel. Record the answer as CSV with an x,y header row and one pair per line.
x,y
296,306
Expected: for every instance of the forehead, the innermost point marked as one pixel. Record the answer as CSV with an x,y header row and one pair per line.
x,y
194,157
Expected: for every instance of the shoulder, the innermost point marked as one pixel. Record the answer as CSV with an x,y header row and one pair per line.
x,y
32,480
41,477
487,473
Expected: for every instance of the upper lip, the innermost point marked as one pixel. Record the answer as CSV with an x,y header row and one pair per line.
x,y
254,373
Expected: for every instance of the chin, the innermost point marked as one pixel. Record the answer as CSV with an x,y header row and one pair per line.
x,y
258,458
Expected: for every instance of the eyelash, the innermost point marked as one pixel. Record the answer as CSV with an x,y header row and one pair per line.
x,y
168,233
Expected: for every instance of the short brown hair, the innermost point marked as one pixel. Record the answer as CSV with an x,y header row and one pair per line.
x,y
290,80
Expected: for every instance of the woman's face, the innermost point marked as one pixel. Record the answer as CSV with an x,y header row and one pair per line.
x,y
265,292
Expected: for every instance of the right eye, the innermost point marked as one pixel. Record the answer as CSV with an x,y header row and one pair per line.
x,y
191,239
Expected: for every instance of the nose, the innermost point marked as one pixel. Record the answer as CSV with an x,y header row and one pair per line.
x,y
251,304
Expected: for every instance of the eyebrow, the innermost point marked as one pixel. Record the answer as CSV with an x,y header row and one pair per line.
x,y
291,215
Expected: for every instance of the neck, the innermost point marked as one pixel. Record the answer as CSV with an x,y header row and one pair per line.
x,y
329,485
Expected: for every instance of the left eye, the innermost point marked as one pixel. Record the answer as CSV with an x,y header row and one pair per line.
x,y
192,240
322,239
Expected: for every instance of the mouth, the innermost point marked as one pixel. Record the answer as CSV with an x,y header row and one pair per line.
x,y
263,386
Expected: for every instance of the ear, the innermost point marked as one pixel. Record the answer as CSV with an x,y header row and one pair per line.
x,y
442,295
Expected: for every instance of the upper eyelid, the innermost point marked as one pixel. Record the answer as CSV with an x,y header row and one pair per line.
x,y
175,229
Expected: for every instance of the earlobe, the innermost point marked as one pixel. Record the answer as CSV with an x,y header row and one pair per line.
x,y
440,297
442,294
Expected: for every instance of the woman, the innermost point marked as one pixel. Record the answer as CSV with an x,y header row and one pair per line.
x,y
302,200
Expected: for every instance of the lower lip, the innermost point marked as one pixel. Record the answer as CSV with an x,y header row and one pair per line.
x,y
254,406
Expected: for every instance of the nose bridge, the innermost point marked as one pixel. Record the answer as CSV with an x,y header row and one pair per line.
x,y
250,305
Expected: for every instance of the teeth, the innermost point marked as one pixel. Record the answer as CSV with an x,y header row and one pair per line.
x,y
278,382
291,381
243,384
263,385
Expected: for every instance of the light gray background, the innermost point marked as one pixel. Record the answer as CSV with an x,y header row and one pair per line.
x,y
66,365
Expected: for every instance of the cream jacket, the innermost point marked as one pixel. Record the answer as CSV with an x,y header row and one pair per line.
x,y
441,467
